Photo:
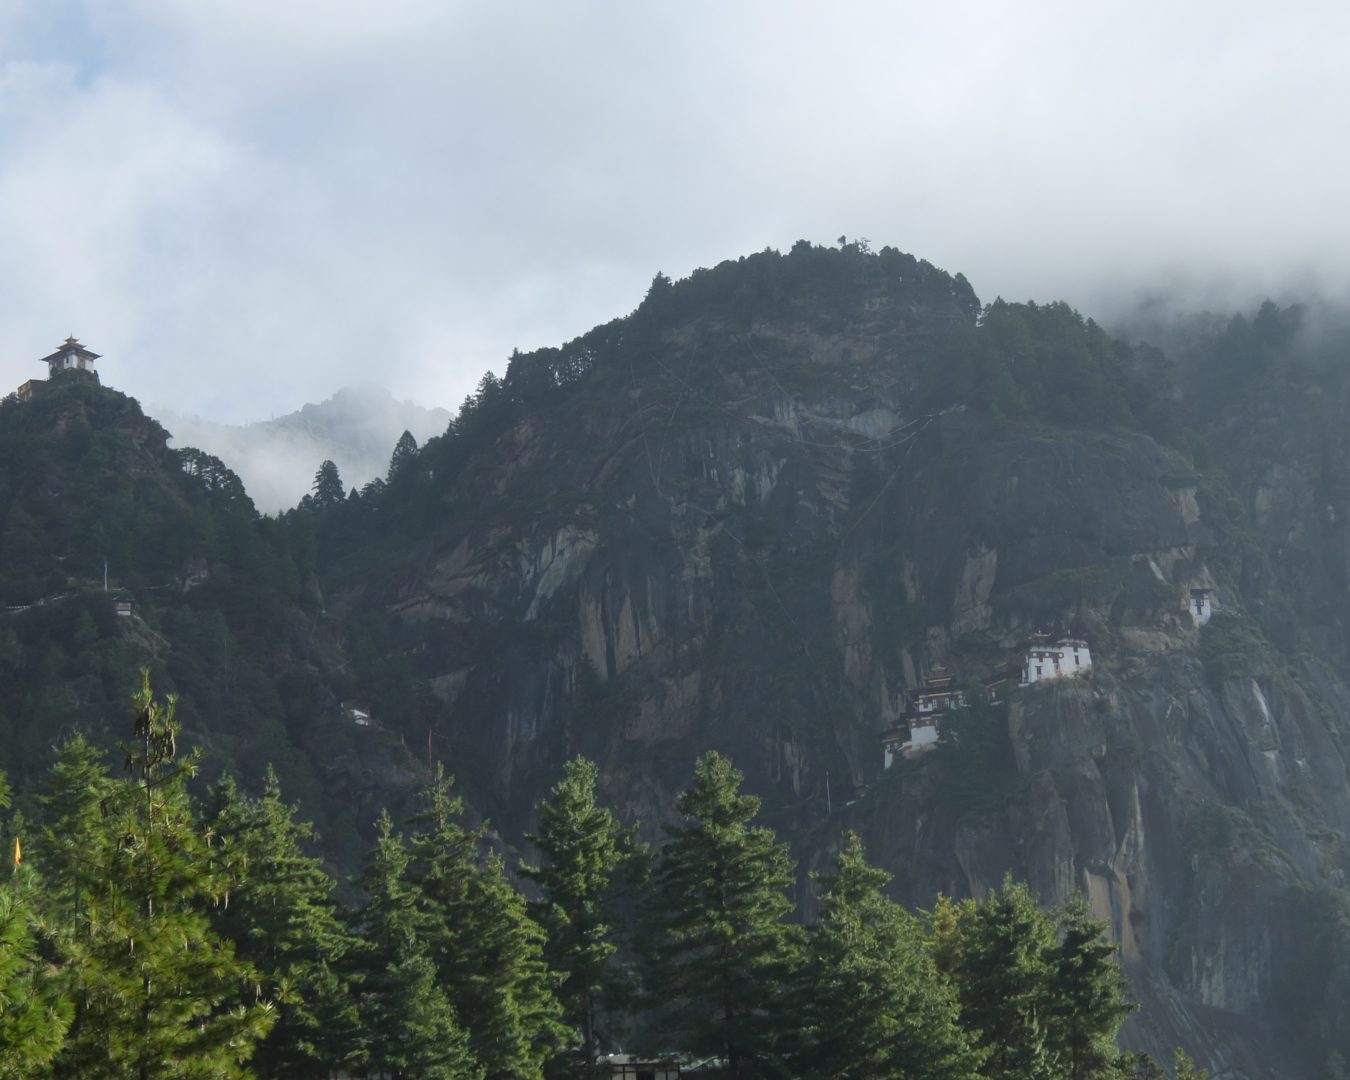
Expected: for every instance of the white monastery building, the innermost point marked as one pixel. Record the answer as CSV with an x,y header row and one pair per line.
x,y
1201,606
920,731
1068,656
939,695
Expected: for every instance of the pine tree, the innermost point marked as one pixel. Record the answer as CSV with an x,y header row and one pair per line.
x,y
874,1005
73,809
328,490
35,1009
1088,990
586,857
281,916
1003,971
159,993
720,952
411,1025
489,953
405,450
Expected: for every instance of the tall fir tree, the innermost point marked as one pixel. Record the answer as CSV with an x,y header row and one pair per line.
x,y
282,918
1001,964
159,993
720,953
72,810
35,1006
873,1005
1089,999
587,858
489,953
327,488
411,1025
404,452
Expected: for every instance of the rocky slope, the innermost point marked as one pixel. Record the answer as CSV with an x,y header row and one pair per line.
x,y
757,513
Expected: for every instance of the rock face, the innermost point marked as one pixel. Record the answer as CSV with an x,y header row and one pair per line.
x,y
760,536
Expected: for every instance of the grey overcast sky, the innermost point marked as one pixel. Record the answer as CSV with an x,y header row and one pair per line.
x,y
246,204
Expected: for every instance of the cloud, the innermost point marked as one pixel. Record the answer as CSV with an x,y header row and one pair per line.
x,y
246,206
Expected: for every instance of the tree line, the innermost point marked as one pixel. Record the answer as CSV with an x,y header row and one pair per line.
x,y
145,933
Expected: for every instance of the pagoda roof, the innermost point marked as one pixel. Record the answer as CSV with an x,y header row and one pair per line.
x,y
69,345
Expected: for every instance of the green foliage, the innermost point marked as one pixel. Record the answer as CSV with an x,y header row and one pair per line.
x,y
1043,997
488,952
874,1004
720,952
166,945
73,807
587,858
1089,998
410,1024
1002,968
222,614
1185,1069
159,993
282,918
35,1007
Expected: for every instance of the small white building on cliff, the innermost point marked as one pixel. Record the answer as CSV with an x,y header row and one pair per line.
x,y
70,356
1066,657
919,731
1201,605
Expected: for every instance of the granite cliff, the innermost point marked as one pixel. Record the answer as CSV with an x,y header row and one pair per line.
x,y
754,516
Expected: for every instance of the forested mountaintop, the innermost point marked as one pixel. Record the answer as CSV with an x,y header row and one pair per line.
x,y
225,609
753,516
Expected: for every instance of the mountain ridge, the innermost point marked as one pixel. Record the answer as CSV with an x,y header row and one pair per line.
x,y
757,512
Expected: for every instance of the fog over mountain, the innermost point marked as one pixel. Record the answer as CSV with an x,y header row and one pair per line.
x,y
356,428
243,206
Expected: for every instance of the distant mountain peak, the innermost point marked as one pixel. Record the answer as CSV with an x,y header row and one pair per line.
x,y
356,428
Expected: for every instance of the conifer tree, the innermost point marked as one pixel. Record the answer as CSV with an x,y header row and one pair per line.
x,y
411,1024
73,809
720,953
281,916
1089,998
874,1004
1003,970
159,993
586,857
404,451
35,1009
489,953
327,488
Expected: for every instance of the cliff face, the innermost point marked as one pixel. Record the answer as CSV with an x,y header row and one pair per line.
x,y
760,534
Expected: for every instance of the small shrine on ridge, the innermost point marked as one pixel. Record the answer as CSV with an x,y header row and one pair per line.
x,y
69,356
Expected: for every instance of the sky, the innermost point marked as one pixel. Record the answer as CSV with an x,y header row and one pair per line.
x,y
246,205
